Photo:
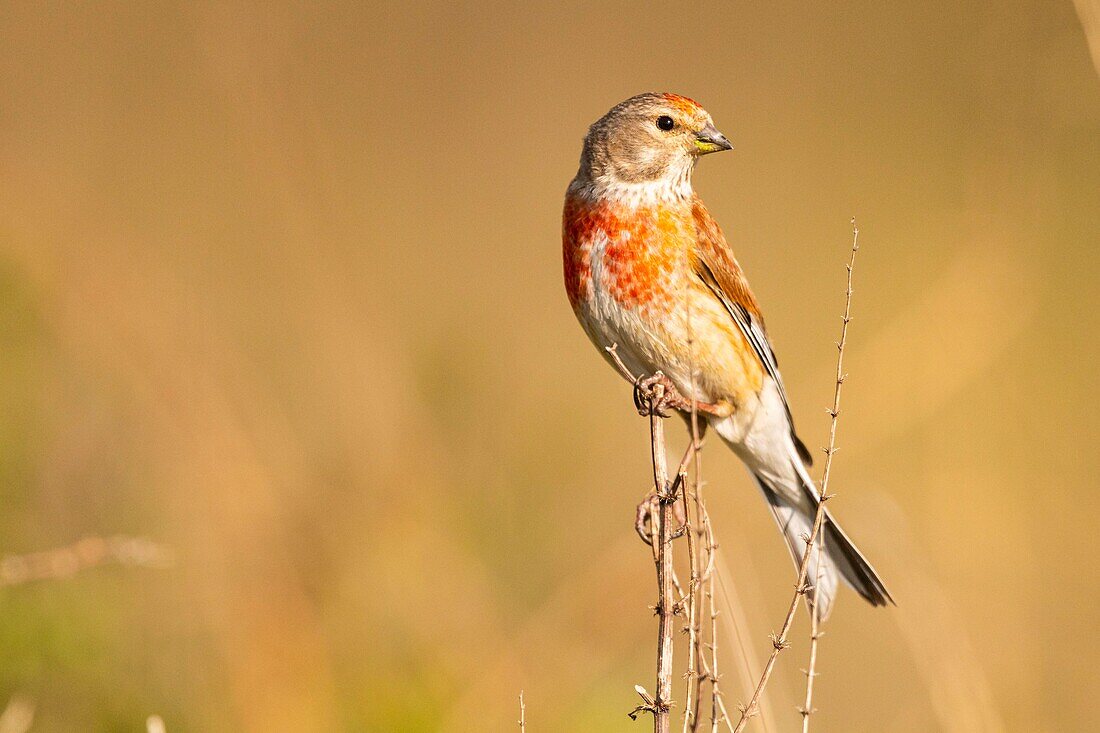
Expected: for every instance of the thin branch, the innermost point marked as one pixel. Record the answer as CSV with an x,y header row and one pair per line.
x,y
779,641
63,562
718,712
816,633
653,396
663,562
613,352
692,679
522,714
808,708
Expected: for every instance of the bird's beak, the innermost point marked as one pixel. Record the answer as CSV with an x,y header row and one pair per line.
x,y
709,140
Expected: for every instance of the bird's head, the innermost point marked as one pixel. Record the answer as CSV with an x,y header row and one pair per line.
x,y
649,139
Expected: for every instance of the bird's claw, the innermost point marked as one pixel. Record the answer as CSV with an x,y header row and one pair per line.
x,y
656,395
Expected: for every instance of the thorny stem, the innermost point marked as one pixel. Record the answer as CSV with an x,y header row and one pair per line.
x,y
707,671
815,633
779,641
718,712
663,561
698,668
692,678
661,544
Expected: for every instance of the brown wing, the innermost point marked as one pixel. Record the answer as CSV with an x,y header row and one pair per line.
x,y
714,264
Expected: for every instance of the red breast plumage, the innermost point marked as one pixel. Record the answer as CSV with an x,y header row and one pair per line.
x,y
644,248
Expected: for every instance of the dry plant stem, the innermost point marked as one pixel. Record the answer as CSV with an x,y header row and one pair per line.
x,y
660,540
662,551
522,714
816,633
698,670
657,399
704,534
692,677
700,532
807,706
691,696
63,562
717,705
708,671
779,641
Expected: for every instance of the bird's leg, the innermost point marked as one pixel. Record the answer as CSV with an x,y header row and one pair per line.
x,y
721,408
660,394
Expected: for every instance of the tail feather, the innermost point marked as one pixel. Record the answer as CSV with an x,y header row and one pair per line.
x,y
839,559
766,445
795,526
853,565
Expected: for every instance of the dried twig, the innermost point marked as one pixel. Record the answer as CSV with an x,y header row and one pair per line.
x,y
779,641
718,713
652,396
692,681
807,708
63,562
663,563
522,714
708,670
816,633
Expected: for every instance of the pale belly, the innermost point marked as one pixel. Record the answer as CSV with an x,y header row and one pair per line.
x,y
695,334
725,370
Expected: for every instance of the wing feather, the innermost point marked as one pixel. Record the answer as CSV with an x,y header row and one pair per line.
x,y
716,266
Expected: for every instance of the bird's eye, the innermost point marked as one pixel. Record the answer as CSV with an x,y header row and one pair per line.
x,y
665,123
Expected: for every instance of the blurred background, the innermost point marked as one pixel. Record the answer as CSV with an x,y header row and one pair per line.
x,y
280,291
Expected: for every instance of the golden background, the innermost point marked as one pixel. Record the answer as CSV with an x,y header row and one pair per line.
x,y
280,289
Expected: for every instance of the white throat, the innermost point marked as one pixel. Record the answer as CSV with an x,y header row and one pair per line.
x,y
670,189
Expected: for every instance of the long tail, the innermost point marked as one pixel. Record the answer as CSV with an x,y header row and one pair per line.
x,y
840,558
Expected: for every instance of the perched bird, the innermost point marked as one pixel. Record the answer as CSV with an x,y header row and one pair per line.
x,y
647,270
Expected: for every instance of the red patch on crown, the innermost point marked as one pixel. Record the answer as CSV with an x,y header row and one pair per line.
x,y
687,105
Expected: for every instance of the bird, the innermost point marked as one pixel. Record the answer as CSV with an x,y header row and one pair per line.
x,y
655,286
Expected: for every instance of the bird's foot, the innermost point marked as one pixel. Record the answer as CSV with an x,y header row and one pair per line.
x,y
658,395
